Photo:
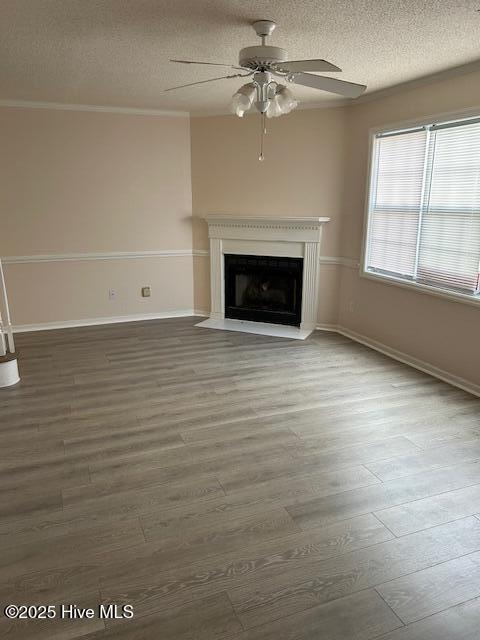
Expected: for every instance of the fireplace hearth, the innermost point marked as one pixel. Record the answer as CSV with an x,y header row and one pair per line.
x,y
263,289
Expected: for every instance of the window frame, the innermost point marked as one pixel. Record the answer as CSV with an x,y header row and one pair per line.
x,y
395,128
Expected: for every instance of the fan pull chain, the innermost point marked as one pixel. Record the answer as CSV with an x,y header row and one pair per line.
x,y
263,131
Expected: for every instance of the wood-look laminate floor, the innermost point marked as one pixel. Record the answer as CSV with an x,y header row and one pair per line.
x,y
229,485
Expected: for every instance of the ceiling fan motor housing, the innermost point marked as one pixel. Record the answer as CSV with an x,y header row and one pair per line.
x,y
261,57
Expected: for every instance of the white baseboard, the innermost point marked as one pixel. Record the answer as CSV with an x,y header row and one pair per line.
x,y
87,322
327,327
405,358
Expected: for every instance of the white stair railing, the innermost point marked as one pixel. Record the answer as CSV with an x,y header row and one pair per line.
x,y
6,332
3,346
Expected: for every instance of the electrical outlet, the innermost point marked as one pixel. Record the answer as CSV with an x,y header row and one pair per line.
x,y
146,292
112,294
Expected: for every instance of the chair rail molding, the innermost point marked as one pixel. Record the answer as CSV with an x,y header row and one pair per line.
x,y
352,263
106,255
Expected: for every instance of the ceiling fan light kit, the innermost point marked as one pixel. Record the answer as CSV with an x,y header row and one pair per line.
x,y
273,99
265,63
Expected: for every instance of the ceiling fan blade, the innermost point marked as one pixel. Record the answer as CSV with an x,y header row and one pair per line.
x,y
307,65
212,64
332,85
191,84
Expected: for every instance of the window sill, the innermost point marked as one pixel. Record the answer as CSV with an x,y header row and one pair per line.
x,y
423,288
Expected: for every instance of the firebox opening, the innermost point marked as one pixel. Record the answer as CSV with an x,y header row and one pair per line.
x,y
263,289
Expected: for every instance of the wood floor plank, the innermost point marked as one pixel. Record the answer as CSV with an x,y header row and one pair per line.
x,y
330,579
458,623
318,454
436,458
98,447
415,421
358,617
426,592
260,561
215,539
142,470
433,511
312,512
168,455
30,556
458,427
209,619
303,485
140,501
28,500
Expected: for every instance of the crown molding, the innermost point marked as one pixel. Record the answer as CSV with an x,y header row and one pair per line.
x,y
372,96
60,106
421,81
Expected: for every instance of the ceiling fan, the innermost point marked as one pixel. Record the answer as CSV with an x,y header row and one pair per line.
x,y
265,64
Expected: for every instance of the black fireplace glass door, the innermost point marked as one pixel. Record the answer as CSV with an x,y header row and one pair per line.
x,y
263,288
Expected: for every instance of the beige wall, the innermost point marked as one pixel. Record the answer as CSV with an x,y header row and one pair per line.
x,y
81,182
72,291
438,331
302,175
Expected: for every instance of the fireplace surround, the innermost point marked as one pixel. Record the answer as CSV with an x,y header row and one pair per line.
x,y
282,297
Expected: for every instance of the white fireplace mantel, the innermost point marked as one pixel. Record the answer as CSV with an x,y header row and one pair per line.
x,y
265,236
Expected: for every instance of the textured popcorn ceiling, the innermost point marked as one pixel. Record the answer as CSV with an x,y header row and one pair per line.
x,y
115,52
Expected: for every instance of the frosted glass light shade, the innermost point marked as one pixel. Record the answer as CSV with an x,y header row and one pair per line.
x,y
242,100
281,103
286,100
274,110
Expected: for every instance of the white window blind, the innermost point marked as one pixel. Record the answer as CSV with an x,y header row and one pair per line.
x,y
424,206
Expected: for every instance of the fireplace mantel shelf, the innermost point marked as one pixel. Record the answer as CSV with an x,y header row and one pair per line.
x,y
269,221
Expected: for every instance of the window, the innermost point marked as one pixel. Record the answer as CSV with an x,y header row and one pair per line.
x,y
424,207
